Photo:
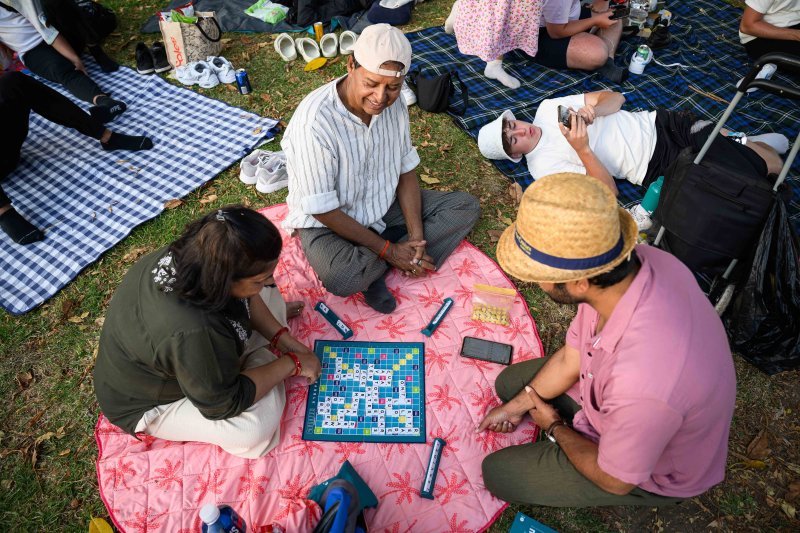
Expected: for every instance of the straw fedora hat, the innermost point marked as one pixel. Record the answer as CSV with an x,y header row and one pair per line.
x,y
568,227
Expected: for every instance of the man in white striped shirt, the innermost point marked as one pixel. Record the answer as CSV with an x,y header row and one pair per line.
x,y
354,199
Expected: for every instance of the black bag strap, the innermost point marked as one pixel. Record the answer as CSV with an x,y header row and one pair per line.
x,y
202,31
464,94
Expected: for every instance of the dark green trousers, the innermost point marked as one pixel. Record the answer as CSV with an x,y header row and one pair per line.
x,y
540,473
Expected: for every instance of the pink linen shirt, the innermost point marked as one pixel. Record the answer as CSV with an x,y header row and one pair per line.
x,y
657,384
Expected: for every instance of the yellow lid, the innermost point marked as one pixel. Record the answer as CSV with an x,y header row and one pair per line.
x,y
494,290
314,64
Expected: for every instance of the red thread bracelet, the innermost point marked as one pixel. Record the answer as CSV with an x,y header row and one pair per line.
x,y
298,368
277,337
383,252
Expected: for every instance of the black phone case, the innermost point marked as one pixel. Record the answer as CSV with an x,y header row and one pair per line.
x,y
493,352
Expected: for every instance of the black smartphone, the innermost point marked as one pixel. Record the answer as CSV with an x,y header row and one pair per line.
x,y
563,116
494,352
620,13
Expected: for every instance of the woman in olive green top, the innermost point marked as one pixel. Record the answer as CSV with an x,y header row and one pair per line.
x,y
184,353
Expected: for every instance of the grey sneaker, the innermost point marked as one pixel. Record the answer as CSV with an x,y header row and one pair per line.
x,y
271,175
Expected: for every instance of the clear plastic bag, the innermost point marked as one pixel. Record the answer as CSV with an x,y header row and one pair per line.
x,y
492,304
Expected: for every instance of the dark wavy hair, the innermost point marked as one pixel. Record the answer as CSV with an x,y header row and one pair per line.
x,y
222,247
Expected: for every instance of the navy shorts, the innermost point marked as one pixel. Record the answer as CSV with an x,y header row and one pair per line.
x,y
553,52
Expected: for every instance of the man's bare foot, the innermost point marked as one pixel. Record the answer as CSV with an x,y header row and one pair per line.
x,y
294,309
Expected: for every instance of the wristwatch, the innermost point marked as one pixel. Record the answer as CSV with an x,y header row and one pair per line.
x,y
549,431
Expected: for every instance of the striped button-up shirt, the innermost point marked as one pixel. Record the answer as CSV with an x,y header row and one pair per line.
x,y
334,160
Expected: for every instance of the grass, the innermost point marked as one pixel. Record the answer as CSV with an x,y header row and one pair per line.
x,y
47,449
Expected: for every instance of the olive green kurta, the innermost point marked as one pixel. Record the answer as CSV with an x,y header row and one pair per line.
x,y
156,348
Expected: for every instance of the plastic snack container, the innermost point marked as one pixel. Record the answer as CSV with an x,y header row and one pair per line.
x,y
492,304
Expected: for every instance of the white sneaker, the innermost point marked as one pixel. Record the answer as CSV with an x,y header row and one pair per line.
x,y
284,45
197,72
408,94
765,73
347,40
641,216
250,165
222,68
329,45
272,176
307,48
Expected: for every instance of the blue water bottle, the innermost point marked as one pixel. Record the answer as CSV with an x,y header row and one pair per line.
x,y
221,519
650,200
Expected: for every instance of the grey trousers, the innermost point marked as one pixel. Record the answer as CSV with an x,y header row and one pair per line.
x,y
540,473
346,268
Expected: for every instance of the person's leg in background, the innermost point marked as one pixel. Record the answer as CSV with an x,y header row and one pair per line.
x,y
46,62
21,94
80,30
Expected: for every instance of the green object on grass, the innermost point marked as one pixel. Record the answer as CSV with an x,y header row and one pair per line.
x,y
267,11
176,16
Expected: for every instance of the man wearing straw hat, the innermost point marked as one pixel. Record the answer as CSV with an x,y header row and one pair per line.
x,y
637,405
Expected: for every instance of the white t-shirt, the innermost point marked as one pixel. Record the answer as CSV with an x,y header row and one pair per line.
x,y
17,33
560,11
780,13
623,141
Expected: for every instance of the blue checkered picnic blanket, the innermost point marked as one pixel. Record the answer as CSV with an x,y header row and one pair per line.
x,y
88,200
704,39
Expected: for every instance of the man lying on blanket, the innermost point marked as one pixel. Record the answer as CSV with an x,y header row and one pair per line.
x,y
637,404
604,141
353,197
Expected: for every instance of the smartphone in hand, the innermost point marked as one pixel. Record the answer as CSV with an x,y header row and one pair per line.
x,y
564,116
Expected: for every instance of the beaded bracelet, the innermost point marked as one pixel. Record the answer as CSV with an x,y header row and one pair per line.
x,y
298,368
383,252
277,337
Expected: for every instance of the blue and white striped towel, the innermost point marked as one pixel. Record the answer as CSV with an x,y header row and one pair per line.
x,y
87,199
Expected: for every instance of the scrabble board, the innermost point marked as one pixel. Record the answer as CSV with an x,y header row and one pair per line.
x,y
368,392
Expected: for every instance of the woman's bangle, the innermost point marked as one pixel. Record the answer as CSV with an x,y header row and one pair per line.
x,y
277,337
298,368
383,252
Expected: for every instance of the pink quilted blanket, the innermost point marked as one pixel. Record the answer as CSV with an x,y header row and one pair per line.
x,y
155,485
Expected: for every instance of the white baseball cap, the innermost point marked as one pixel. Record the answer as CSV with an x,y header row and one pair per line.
x,y
380,43
490,138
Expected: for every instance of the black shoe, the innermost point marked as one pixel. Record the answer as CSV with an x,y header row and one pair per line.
x,y
659,37
379,298
144,59
159,53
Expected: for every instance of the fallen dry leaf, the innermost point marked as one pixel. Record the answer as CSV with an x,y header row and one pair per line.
x,y
759,446
515,192
494,235
75,319
75,503
24,379
135,254
789,509
753,463
445,148
507,221
172,204
794,492
429,180
208,199
68,307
